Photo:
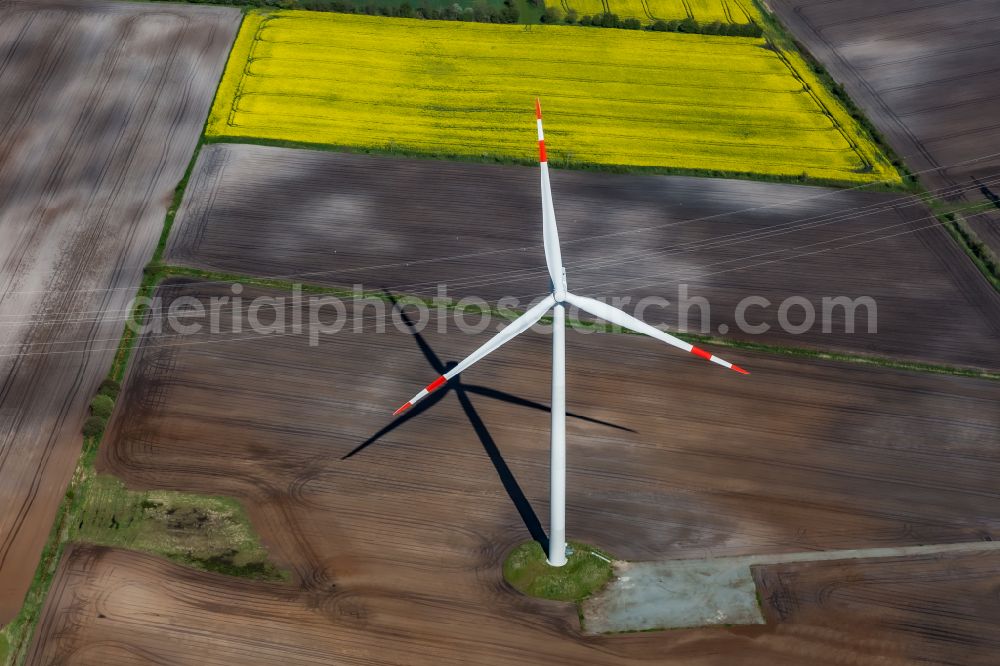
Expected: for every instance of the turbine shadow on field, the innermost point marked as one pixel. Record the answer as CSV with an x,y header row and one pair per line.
x,y
462,391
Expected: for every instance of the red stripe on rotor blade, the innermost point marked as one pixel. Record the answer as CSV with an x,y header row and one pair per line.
x,y
538,108
701,352
541,151
740,370
436,384
402,409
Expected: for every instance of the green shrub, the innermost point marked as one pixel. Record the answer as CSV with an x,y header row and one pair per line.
x,y
688,25
102,406
110,388
608,20
552,15
94,426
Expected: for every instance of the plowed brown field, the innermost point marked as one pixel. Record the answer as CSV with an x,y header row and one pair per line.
x,y
942,609
396,537
411,225
101,108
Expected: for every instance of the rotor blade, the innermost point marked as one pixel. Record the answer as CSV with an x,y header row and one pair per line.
x,y
513,329
550,235
616,316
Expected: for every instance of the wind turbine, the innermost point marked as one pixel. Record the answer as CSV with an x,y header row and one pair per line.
x,y
556,301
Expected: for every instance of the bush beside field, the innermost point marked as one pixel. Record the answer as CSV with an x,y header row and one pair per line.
x,y
612,98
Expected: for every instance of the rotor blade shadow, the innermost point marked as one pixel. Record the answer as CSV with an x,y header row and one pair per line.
x,y
412,413
524,402
507,479
510,484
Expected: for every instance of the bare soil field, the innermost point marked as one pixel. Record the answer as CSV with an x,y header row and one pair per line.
x,y
888,601
101,109
396,535
117,608
409,225
924,71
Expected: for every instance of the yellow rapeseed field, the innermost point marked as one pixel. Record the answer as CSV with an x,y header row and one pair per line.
x,y
703,11
611,97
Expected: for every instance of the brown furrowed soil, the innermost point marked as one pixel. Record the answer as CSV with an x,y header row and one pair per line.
x,y
924,72
411,225
101,108
942,609
396,538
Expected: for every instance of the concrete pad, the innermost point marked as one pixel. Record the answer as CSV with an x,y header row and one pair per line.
x,y
683,593
675,594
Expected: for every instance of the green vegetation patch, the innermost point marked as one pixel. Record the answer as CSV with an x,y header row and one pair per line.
x,y
587,570
208,533
110,388
102,406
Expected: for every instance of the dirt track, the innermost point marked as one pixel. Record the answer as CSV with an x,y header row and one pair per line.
x,y
383,222
396,543
102,106
924,72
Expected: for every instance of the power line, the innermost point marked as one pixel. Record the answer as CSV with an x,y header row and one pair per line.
x,y
434,317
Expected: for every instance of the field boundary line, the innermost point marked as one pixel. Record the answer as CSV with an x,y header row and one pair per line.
x,y
166,272
968,240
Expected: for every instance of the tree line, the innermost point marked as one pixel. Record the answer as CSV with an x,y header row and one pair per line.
x,y
482,11
685,25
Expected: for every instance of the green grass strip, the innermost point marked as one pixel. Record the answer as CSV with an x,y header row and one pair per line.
x,y
203,276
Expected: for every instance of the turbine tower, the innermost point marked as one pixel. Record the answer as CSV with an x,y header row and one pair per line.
x,y
556,301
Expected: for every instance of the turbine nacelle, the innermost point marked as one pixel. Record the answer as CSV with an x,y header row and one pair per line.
x,y
560,290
